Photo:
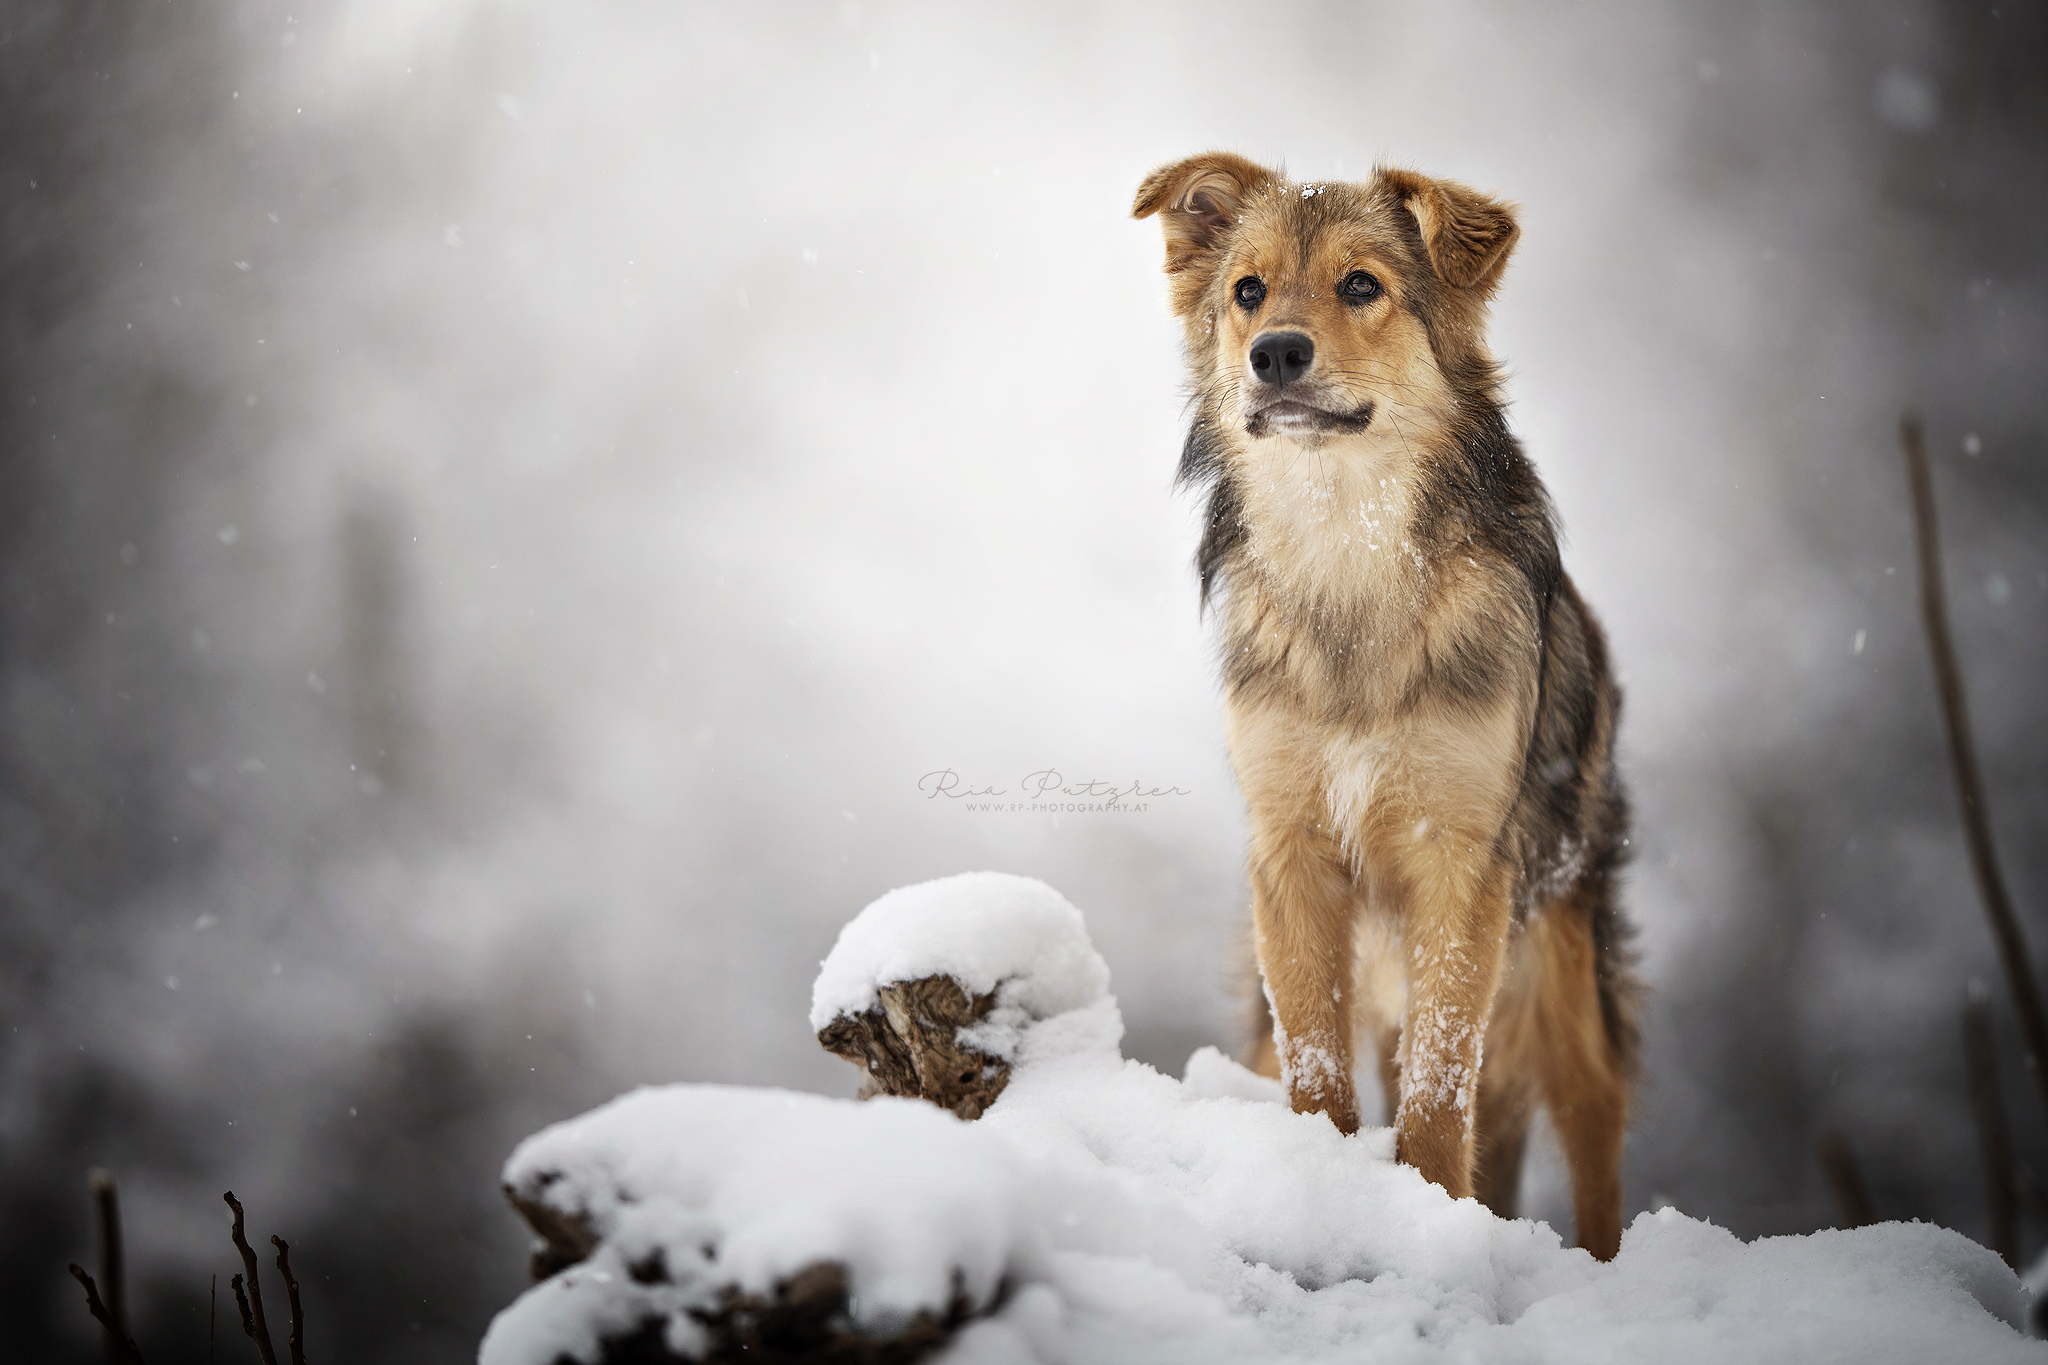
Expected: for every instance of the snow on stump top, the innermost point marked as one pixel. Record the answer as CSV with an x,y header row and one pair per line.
x,y
992,932
931,989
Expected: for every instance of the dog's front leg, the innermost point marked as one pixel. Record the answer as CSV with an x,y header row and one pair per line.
x,y
1301,907
1455,931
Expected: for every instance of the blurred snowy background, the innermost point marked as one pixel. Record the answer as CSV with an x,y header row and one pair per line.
x,y
502,504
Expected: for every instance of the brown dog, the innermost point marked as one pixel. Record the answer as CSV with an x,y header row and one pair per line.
x,y
1420,710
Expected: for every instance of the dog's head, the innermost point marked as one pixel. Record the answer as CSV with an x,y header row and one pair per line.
x,y
1318,311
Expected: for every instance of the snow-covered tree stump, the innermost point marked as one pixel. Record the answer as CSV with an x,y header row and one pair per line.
x,y
718,1223
909,1044
804,1322
806,1316
930,990
708,1223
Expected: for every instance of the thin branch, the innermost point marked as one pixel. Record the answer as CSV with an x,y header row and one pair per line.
x,y
113,1271
252,1306
212,1311
296,1341
123,1347
93,1304
1989,1109
242,1302
1838,1162
2005,927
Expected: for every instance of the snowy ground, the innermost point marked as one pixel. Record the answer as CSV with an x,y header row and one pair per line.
x,y
1102,1211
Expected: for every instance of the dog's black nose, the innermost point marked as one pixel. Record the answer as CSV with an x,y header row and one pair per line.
x,y
1280,358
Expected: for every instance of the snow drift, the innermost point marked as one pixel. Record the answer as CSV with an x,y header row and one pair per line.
x,y
1102,1211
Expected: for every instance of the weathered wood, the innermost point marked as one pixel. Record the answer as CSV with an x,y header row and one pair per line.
x,y
909,1045
808,1318
565,1238
805,1322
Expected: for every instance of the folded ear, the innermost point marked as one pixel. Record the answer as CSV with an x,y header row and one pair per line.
x,y
1197,201
1468,234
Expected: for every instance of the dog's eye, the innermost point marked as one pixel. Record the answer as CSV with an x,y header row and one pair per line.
x,y
1359,287
1251,292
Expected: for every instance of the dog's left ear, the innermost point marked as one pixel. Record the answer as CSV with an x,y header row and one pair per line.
x,y
1469,235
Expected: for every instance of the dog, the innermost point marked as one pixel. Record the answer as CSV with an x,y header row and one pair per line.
x,y
1420,711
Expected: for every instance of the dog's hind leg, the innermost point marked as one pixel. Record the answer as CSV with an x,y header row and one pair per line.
x,y
1583,1078
1504,1112
1380,989
1260,1054
1387,1045
1507,1085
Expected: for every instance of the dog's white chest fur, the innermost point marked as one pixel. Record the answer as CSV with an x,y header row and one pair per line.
x,y
1332,523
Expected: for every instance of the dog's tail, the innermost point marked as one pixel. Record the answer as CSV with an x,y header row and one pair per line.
x,y
1614,969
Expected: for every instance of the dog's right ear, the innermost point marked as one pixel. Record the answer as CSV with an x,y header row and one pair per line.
x,y
1197,201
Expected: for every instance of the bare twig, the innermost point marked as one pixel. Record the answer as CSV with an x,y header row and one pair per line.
x,y
106,1209
242,1302
2000,1176
252,1306
1838,1162
120,1346
110,1312
212,1307
93,1303
296,1341
2005,927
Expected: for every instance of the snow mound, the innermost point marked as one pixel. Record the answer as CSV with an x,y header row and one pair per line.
x,y
692,1191
1212,1076
990,931
1103,1212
